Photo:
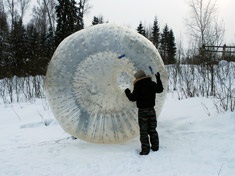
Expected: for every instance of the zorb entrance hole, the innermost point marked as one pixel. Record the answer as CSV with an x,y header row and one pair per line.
x,y
86,79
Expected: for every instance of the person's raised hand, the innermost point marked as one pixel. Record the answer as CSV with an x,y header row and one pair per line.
x,y
157,76
127,91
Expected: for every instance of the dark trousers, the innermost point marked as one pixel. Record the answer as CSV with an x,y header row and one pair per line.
x,y
148,123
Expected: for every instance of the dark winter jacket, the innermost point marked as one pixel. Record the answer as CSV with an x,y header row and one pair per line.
x,y
144,92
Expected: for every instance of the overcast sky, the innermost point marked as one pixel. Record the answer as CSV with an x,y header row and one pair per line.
x,y
172,12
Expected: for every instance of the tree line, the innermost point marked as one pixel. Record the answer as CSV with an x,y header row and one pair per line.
x,y
164,41
198,70
25,50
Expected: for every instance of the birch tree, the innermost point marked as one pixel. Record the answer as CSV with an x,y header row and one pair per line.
x,y
11,6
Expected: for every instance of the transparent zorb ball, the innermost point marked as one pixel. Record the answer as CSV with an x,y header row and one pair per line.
x,y
86,79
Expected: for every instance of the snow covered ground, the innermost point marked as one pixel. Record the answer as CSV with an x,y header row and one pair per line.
x,y
194,141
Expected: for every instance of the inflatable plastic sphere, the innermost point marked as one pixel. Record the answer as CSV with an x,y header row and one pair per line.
x,y
87,76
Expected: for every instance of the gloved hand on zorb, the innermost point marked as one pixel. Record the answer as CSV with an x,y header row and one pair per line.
x,y
159,82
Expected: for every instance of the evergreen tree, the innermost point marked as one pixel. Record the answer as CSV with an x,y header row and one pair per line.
x,y
46,50
168,46
3,23
18,47
67,19
141,30
164,44
33,49
41,47
97,20
155,34
171,48
4,32
50,43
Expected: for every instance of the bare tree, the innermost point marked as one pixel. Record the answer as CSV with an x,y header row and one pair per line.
x,y
23,5
203,24
205,29
50,10
44,15
1,6
225,91
11,5
83,7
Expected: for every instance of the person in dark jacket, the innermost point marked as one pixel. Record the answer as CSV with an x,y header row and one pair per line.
x,y
144,94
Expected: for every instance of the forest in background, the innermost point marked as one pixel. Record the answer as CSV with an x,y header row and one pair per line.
x,y
26,50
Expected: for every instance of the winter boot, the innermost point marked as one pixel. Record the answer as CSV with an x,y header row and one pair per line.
x,y
155,148
144,152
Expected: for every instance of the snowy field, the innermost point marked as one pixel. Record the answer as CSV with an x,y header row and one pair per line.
x,y
194,141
